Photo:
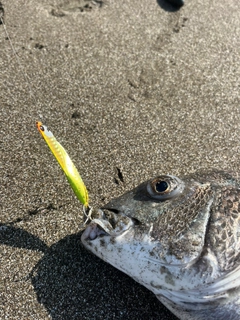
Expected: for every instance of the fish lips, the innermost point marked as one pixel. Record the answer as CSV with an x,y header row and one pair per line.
x,y
107,222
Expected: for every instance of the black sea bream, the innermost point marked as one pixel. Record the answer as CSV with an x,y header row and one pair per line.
x,y
180,238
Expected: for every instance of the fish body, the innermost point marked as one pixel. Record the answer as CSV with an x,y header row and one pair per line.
x,y
180,238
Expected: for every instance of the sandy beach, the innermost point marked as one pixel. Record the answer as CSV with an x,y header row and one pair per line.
x,y
137,87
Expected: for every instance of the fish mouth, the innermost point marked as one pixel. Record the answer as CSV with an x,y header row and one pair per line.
x,y
106,222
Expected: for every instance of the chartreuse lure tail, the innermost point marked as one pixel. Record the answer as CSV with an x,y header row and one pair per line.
x,y
66,164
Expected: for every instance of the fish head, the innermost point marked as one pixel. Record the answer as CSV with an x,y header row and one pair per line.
x,y
164,233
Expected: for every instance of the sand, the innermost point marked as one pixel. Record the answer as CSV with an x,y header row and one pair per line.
x,y
136,87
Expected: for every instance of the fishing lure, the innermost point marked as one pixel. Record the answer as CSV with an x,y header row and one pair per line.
x,y
66,164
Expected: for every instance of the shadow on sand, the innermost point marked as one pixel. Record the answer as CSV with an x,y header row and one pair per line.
x,y
169,5
71,283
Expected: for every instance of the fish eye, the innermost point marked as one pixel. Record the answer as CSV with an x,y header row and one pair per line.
x,y
161,186
165,187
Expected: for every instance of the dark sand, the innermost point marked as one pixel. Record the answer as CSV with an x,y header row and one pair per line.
x,y
134,85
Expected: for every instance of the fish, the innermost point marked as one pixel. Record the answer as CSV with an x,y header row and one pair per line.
x,y
177,236
180,238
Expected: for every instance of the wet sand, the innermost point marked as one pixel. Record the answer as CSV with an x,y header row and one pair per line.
x,y
131,86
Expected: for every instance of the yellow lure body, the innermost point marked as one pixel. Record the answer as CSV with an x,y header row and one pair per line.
x,y
66,164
